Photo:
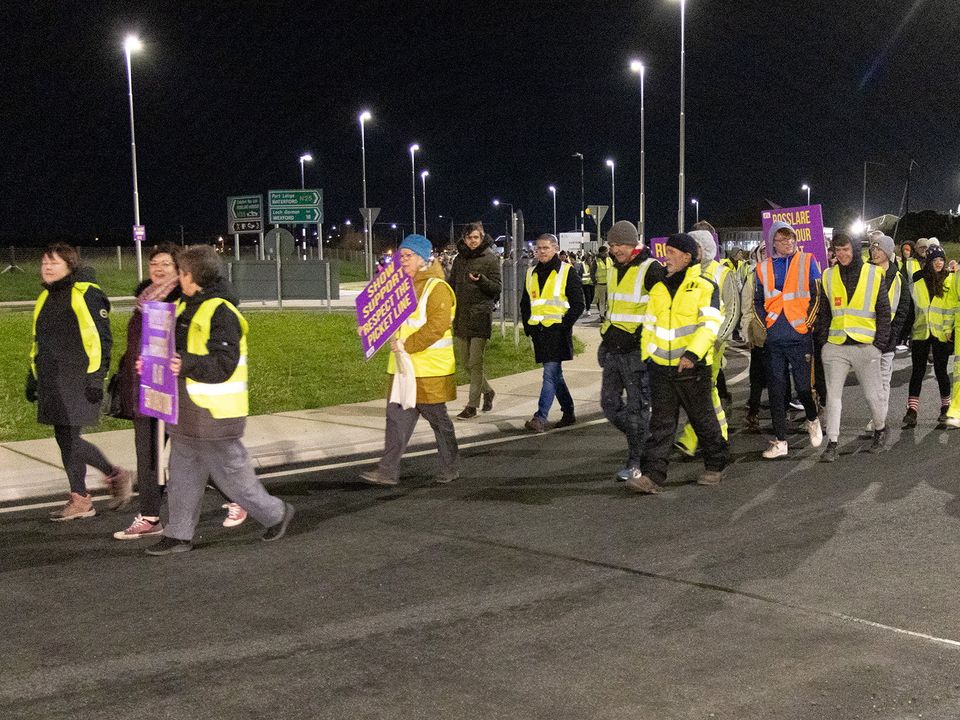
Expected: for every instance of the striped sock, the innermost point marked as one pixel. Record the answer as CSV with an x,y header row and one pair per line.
x,y
913,403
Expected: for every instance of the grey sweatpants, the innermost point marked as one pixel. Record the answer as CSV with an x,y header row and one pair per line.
x,y
864,360
400,425
886,373
470,355
192,461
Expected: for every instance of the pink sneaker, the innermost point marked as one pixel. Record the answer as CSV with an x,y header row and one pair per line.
x,y
236,515
140,528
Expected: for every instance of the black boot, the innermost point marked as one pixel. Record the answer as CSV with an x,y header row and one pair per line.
x,y
910,419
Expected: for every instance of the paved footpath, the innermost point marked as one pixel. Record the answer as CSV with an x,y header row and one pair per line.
x,y
31,468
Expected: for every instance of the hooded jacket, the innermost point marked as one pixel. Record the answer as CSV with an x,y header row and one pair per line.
x,y
223,355
781,331
730,289
475,298
63,367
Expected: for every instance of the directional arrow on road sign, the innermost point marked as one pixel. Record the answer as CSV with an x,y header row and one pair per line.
x,y
295,206
294,198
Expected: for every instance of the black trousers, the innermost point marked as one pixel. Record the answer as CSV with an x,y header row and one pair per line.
x,y
919,352
692,391
76,454
588,295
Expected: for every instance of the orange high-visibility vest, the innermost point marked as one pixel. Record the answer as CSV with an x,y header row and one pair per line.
x,y
794,299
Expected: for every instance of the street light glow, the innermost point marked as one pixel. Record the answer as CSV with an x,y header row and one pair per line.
x,y
858,227
637,67
132,44
414,148
804,187
364,116
424,174
306,158
552,189
609,163
496,203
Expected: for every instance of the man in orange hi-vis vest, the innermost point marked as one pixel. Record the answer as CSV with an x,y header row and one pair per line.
x,y
786,298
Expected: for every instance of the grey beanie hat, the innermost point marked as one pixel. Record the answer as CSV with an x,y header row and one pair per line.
x,y
885,243
623,233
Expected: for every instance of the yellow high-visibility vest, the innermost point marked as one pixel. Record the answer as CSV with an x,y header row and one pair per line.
x,y
718,272
931,316
227,399
548,305
893,293
437,360
89,335
854,317
685,322
604,266
627,299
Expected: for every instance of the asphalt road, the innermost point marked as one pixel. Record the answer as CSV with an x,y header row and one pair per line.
x,y
536,587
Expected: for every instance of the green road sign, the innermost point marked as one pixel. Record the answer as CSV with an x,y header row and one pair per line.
x,y
295,206
244,213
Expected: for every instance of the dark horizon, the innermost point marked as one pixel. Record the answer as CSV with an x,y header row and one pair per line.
x,y
498,98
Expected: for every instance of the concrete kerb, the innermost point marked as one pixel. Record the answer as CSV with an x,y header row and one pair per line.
x,y
30,469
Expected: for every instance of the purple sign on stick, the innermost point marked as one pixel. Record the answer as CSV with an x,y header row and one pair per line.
x,y
658,249
807,221
158,386
383,305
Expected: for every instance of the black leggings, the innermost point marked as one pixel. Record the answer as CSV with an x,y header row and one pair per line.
x,y
588,295
919,352
76,454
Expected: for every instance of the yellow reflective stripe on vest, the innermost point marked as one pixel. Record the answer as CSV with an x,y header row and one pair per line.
x,y
437,360
893,294
89,335
672,324
547,307
228,399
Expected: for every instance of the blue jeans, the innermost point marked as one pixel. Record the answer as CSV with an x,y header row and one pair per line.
x,y
554,386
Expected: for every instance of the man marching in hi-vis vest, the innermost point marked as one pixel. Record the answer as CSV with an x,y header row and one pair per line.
x,y
625,389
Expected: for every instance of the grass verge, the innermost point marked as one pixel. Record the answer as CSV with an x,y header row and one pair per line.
x,y
298,360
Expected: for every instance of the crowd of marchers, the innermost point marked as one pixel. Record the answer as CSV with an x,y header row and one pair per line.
x,y
664,326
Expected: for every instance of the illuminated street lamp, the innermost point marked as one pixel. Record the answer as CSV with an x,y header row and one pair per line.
x,y
131,45
807,188
305,158
613,192
582,218
423,179
683,75
413,183
638,67
553,191
367,230
694,201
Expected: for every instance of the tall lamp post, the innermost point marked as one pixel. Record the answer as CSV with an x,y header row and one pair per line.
x,y
613,192
305,158
497,203
131,45
683,75
807,188
582,218
863,201
368,242
553,191
696,203
423,179
413,184
638,67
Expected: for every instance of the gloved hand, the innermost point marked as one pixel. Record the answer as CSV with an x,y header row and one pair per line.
x,y
30,390
93,394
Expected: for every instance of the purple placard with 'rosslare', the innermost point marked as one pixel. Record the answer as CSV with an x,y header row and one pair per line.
x,y
807,221
383,305
158,386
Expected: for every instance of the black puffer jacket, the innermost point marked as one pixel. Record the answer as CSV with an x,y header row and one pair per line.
x,y
475,298
223,355
64,379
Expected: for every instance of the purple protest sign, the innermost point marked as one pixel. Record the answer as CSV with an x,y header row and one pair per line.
x,y
658,249
807,221
139,233
383,305
158,386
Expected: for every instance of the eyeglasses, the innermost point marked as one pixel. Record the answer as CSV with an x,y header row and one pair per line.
x,y
406,255
161,263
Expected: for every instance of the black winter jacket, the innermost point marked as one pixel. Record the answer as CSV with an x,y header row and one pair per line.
x,y
475,298
62,378
850,275
215,367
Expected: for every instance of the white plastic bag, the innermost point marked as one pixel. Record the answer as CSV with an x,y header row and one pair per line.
x,y
404,389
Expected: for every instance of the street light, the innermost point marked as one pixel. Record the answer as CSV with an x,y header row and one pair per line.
x,y
638,67
507,224
304,159
694,201
807,188
423,179
613,192
582,218
683,74
132,44
863,201
363,117
413,184
553,191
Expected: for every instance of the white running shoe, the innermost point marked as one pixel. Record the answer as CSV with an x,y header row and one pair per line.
x,y
777,449
815,432
952,422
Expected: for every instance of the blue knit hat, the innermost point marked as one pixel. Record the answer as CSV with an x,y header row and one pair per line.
x,y
418,244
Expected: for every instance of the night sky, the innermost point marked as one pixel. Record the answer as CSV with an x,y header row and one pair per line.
x,y
498,95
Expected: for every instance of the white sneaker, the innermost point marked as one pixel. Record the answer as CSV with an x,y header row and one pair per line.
x,y
952,422
815,432
236,515
869,427
777,449
901,348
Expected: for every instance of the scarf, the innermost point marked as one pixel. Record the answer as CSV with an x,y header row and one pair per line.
x,y
154,292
